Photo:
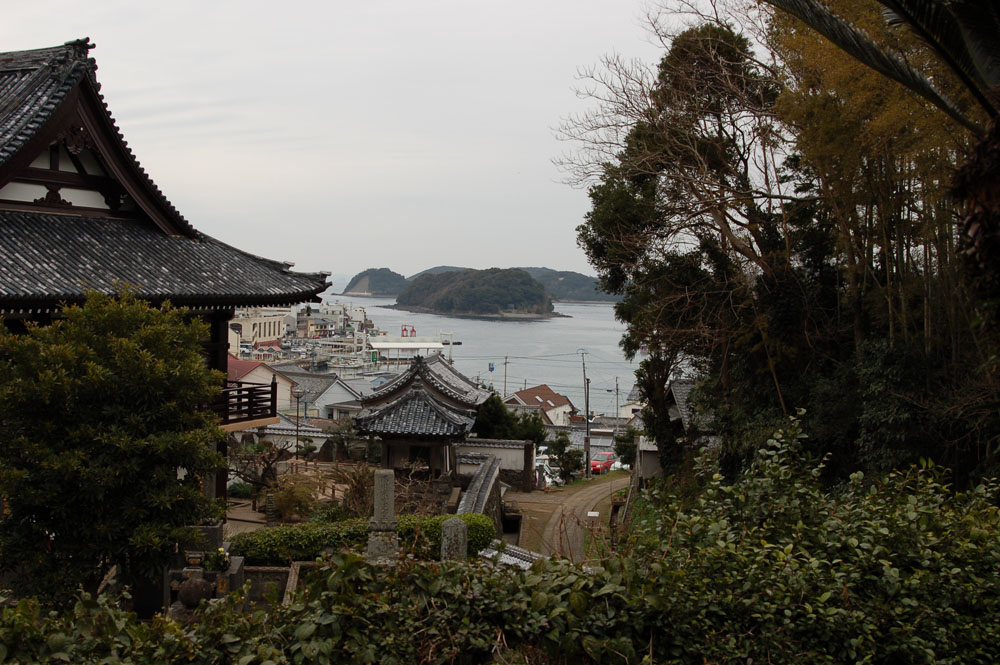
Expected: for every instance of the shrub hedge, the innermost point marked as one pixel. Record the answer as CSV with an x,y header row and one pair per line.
x,y
772,568
278,546
240,490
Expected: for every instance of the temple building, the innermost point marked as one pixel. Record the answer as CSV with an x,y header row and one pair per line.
x,y
422,414
78,213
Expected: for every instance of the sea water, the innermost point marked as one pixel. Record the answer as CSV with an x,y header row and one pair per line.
x,y
550,351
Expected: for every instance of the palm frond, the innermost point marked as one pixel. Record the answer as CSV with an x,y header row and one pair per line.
x,y
980,23
860,46
936,25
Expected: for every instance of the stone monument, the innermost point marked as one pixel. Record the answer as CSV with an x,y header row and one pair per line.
x,y
383,543
454,540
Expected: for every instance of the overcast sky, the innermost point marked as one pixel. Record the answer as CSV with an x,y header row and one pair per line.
x,y
347,135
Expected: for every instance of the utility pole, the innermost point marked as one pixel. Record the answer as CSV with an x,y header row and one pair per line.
x,y
586,414
617,408
505,376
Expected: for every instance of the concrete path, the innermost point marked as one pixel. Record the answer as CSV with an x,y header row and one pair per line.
x,y
240,517
555,522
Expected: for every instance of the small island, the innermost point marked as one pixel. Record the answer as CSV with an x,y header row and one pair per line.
x,y
495,293
376,282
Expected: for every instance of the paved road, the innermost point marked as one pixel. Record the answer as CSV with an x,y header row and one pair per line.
x,y
561,516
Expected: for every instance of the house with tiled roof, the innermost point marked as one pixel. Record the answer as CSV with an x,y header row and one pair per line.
x,y
78,213
557,408
633,404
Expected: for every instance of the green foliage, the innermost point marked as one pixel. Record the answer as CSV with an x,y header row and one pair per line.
x,y
495,421
771,568
295,496
278,546
481,531
378,282
570,460
625,445
568,285
477,292
240,490
776,306
776,567
98,412
332,511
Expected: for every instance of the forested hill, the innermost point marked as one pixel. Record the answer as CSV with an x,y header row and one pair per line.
x,y
376,282
568,285
560,284
493,292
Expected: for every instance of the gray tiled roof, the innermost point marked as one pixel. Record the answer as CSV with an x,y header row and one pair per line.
x,y
32,84
510,555
439,373
416,413
50,258
495,443
690,418
314,384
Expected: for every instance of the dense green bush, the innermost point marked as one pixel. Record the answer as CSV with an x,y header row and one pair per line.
x,y
772,568
278,546
240,490
776,568
482,531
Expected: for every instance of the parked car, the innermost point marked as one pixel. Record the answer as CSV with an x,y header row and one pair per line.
x,y
602,462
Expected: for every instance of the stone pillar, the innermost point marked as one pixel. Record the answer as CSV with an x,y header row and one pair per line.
x,y
271,514
454,540
528,476
383,543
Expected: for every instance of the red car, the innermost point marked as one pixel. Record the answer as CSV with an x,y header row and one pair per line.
x,y
602,462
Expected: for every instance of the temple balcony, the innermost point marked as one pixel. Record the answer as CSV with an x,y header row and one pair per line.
x,y
243,405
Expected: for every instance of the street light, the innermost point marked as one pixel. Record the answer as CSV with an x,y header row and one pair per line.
x,y
297,393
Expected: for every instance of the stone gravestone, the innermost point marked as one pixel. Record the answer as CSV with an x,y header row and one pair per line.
x,y
454,540
383,543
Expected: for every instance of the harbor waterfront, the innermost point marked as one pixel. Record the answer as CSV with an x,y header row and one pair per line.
x,y
536,351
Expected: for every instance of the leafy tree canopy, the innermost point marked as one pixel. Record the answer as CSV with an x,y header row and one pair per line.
x,y
100,413
495,421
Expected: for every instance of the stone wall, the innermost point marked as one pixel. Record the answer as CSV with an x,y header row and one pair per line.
x,y
483,494
266,582
517,459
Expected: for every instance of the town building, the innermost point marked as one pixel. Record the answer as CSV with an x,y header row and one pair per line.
x,y
557,408
633,403
255,328
257,372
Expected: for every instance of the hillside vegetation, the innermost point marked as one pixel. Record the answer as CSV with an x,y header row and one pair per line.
x,y
560,284
477,292
569,285
377,282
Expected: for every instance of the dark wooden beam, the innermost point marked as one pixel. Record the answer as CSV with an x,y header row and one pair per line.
x,y
80,211
36,176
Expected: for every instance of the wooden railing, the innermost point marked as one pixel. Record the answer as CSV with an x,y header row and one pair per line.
x,y
240,401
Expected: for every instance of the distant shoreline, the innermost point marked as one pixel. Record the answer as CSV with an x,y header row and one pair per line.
x,y
508,316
